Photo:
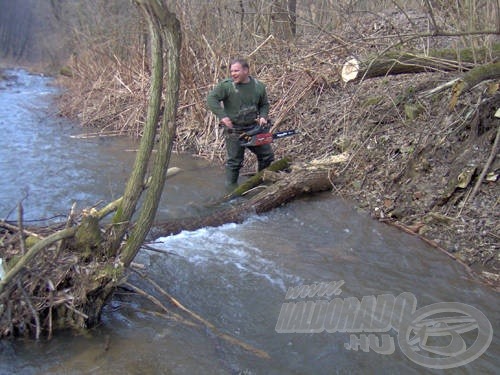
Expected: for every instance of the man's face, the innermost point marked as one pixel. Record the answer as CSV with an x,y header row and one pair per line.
x,y
238,73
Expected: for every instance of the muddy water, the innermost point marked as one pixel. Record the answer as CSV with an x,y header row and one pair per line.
x,y
235,276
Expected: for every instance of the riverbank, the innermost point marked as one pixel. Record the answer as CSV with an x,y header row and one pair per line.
x,y
414,163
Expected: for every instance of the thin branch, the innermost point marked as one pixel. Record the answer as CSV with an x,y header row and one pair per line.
x,y
436,34
438,89
113,206
32,309
85,316
22,244
69,224
431,14
270,37
154,300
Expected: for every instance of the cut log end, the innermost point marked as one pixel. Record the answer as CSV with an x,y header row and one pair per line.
x,y
350,69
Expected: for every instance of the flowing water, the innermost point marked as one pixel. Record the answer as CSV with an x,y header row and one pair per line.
x,y
234,276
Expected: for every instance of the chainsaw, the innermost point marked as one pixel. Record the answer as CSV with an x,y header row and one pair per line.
x,y
260,135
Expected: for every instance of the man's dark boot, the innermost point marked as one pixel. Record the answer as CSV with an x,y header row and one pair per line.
x,y
231,179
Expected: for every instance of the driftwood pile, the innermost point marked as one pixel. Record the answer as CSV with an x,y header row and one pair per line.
x,y
41,291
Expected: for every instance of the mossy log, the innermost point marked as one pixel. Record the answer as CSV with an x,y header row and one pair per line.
x,y
472,78
257,179
392,63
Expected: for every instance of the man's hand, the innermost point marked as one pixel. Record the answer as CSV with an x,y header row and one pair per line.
x,y
226,121
262,121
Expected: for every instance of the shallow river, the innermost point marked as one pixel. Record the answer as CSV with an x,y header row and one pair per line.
x,y
235,276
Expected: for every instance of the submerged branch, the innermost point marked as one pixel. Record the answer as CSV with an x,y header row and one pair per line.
x,y
232,340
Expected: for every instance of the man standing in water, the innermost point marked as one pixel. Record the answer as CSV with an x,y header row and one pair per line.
x,y
240,103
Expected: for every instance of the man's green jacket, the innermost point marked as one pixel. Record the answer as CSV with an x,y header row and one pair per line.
x,y
241,102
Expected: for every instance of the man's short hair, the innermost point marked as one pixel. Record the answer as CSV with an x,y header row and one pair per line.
x,y
242,62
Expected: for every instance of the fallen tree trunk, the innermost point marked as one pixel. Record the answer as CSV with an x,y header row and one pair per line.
x,y
392,63
305,179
